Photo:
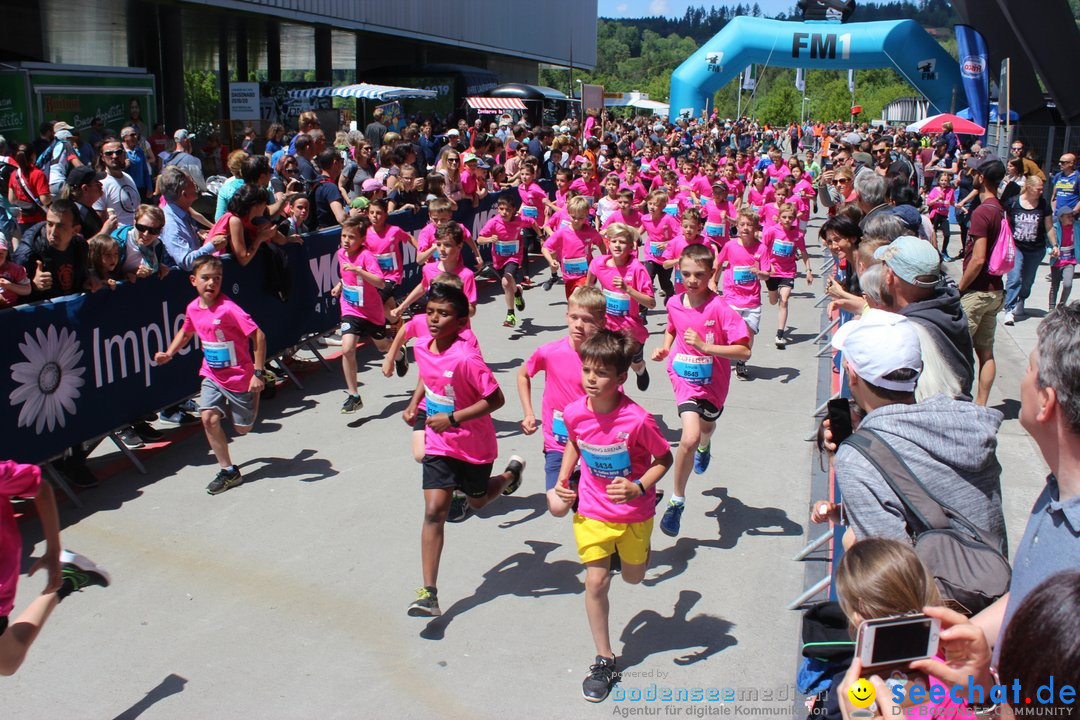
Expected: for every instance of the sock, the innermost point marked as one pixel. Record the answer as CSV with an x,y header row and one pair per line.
x,y
431,589
678,500
232,469
642,371
66,588
705,447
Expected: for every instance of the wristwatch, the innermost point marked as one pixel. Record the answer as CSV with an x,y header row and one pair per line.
x,y
260,373
640,487
453,421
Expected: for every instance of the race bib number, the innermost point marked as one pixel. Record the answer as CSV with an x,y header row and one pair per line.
x,y
219,355
656,249
506,248
783,248
435,254
435,403
714,229
1068,253
694,369
678,275
731,198
672,209
606,461
353,294
743,275
618,303
530,211
558,428
576,266
565,223
387,262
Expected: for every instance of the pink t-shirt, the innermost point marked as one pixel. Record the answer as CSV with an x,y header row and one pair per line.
x,y
694,375
740,282
633,218
640,193
468,279
1068,247
386,247
561,196
591,190
678,203
618,444
758,199
16,274
719,220
454,380
426,238
804,191
16,480
359,298
468,182
507,233
574,249
558,220
735,188
562,385
939,200
657,234
783,246
417,327
623,311
532,209
223,330
702,185
674,250
776,174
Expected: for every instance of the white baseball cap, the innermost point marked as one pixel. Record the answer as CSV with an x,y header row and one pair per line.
x,y
878,344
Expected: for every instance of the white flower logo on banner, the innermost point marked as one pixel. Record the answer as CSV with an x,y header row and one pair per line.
x,y
49,381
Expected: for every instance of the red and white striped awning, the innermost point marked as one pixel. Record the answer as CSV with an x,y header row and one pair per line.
x,y
493,103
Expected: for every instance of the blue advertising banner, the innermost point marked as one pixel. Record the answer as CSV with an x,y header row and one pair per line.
x,y
76,368
974,72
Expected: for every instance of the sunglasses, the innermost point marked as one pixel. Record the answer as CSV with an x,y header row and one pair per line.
x,y
451,159
839,181
152,229
113,152
880,151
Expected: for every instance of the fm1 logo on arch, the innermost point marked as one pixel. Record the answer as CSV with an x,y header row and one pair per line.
x,y
822,46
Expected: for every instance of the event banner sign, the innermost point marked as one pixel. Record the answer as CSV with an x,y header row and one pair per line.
x,y
76,368
974,72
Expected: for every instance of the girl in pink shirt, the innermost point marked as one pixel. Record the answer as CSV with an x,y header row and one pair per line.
x,y
703,335
784,241
658,229
632,181
563,178
572,247
759,193
741,266
939,200
627,288
622,456
692,224
719,214
803,190
460,393
561,365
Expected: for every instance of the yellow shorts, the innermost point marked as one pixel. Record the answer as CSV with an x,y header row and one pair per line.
x,y
597,540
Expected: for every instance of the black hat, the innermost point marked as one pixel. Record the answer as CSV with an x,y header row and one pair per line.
x,y
82,175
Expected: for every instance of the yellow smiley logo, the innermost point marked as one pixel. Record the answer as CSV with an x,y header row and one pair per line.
x,y
861,693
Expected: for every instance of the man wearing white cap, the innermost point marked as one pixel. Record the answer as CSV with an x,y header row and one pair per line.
x,y
62,157
182,158
912,286
949,445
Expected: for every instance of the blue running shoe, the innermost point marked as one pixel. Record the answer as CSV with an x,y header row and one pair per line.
x,y
669,524
701,459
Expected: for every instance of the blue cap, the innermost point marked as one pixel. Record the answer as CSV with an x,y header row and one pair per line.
x,y
913,260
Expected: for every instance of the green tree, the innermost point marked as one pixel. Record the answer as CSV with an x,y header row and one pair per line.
x,y
202,101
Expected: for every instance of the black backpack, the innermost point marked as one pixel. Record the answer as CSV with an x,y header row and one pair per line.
x,y
970,570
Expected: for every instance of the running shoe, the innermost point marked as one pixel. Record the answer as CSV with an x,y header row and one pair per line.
x,y
1009,318
177,418
459,508
516,467
741,371
550,282
643,380
352,404
426,604
224,481
669,524
602,677
519,299
701,459
781,341
616,563
147,432
401,364
131,439
511,320
80,571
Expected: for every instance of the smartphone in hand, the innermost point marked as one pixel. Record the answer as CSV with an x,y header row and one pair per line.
x,y
839,410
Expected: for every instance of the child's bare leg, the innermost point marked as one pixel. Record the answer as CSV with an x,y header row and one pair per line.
x,y
348,362
418,449
215,435
20,635
436,506
781,318
509,289
597,607
688,445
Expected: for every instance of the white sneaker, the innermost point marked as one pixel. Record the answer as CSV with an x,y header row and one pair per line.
x,y
1009,318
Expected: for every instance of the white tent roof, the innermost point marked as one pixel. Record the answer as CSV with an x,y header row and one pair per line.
x,y
364,91
636,100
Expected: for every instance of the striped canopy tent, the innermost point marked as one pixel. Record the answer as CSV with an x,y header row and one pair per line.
x,y
364,91
495,103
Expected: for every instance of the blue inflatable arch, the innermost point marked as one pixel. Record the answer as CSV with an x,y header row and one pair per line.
x,y
900,44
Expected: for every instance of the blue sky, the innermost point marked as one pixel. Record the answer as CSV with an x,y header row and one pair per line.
x,y
676,8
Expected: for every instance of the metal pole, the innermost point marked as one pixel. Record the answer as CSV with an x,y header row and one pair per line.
x,y
817,587
814,545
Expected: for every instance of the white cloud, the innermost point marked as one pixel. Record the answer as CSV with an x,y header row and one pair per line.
x,y
622,9
659,7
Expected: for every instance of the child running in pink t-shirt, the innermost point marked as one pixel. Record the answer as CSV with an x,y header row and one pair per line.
x,y
460,394
231,379
67,571
385,242
627,289
622,455
719,215
440,212
449,241
740,266
573,247
505,233
626,213
784,240
362,311
691,235
658,229
561,365
703,335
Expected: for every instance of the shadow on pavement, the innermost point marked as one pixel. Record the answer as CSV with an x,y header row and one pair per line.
x,y
649,633
767,373
535,504
523,574
676,558
734,519
171,685
304,467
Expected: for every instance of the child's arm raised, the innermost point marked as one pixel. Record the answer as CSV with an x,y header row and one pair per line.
x,y
412,297
179,340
